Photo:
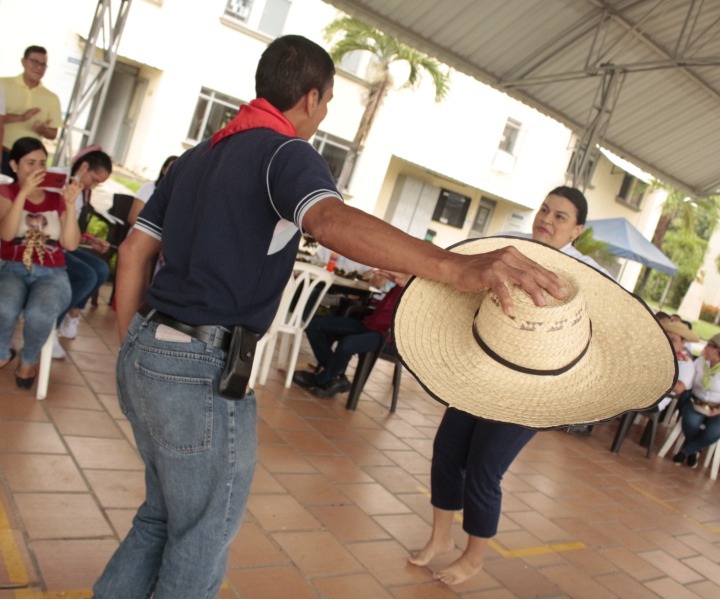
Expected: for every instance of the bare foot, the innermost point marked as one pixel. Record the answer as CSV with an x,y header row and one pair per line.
x,y
430,551
461,570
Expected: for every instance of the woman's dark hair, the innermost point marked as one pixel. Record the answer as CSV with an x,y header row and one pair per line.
x,y
290,67
96,160
661,315
168,161
24,146
576,197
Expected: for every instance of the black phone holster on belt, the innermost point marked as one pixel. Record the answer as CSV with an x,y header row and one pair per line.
x,y
238,364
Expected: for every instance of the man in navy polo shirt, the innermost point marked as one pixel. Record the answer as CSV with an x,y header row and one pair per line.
x,y
229,216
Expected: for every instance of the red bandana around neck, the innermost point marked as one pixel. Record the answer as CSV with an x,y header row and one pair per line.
x,y
259,113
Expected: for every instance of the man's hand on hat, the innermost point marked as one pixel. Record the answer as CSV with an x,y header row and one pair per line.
x,y
493,270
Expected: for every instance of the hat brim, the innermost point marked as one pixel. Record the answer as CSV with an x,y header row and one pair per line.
x,y
629,365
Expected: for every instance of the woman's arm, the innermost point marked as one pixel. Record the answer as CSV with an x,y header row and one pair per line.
x,y
70,231
135,209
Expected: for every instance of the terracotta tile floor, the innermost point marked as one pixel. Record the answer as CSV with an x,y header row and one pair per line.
x,y
341,498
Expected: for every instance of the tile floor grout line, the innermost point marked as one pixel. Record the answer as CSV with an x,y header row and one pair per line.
x,y
671,508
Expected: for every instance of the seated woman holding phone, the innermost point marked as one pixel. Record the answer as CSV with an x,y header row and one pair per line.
x,y
36,225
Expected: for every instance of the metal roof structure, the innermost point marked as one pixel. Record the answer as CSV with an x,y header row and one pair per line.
x,y
638,77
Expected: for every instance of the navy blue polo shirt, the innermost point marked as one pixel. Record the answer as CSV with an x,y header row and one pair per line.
x,y
229,218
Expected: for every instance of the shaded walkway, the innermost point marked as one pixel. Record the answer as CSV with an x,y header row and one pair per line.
x,y
340,498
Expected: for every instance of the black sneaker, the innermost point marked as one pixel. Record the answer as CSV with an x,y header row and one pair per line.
x,y
337,386
305,379
679,458
692,460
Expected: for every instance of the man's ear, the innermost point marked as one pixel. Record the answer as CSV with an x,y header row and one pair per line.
x,y
313,100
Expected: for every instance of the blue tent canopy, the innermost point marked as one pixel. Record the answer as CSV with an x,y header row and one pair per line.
x,y
627,242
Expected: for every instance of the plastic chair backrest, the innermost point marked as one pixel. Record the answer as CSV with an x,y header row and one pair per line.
x,y
308,286
122,203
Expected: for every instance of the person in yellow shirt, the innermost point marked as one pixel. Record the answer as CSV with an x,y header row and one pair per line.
x,y
31,110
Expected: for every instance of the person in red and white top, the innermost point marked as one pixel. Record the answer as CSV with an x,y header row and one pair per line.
x,y
36,225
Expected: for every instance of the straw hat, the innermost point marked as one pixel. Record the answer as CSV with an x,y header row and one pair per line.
x,y
588,358
682,330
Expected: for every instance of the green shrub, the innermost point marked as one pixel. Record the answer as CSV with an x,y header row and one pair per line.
x,y
708,313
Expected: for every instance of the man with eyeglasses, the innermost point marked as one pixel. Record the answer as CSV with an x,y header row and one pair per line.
x,y
31,110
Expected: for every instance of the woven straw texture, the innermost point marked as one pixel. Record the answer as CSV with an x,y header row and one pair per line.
x,y
629,364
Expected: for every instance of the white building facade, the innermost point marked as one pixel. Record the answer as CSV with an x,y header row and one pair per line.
x,y
475,164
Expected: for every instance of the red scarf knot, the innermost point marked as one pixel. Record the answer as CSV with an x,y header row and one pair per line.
x,y
258,113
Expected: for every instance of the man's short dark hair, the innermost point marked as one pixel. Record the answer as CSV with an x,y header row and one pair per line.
x,y
290,67
30,49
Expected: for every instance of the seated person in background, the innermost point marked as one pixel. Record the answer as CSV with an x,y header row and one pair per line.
x,y
35,225
86,268
704,406
352,337
680,335
343,266
144,193
662,317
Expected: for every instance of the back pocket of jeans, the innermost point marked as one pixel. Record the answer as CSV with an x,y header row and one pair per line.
x,y
177,410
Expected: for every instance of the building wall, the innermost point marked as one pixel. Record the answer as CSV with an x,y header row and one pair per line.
x,y
181,47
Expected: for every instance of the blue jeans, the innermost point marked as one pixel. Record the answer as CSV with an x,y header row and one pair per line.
x,y
87,272
695,438
352,338
199,451
41,295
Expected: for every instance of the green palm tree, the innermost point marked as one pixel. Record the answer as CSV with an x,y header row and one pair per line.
x,y
682,213
352,35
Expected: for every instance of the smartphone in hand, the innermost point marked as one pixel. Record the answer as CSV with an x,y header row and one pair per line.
x,y
54,180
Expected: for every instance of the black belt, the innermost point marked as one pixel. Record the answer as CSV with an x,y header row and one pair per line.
x,y
203,333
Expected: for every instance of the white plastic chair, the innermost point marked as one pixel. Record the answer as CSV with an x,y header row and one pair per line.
x,y
43,377
676,437
301,298
266,344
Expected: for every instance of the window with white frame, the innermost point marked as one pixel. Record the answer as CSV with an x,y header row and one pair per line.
x,y
333,149
267,16
212,112
632,191
240,9
351,61
510,136
506,154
